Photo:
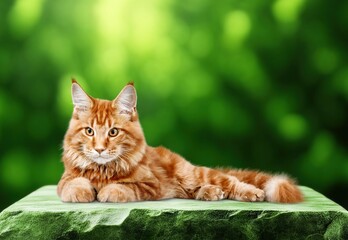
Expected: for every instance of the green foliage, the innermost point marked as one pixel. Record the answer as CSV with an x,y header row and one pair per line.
x,y
224,83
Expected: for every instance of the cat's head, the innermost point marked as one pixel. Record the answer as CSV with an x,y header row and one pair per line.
x,y
102,132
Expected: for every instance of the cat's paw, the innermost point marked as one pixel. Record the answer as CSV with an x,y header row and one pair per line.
x,y
78,190
210,193
116,193
249,193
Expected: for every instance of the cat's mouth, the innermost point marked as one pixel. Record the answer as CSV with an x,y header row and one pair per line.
x,y
102,159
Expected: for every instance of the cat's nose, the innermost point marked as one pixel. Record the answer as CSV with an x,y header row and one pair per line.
x,y
99,150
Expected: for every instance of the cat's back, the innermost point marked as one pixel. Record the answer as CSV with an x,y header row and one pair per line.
x,y
163,160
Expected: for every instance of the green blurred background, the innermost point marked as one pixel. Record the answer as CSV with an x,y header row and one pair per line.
x,y
249,84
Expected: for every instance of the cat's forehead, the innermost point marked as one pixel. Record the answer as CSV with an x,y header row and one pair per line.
x,y
103,113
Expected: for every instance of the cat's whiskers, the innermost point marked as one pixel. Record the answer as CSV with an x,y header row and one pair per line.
x,y
78,158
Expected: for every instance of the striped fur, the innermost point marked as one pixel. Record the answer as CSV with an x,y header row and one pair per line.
x,y
122,168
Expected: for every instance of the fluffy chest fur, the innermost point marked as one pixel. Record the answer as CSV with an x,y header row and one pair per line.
x,y
161,168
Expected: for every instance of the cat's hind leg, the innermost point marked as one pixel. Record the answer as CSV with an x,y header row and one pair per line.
x,y
231,187
277,188
209,193
246,192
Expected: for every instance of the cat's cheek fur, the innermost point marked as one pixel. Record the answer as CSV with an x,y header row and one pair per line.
x,y
78,190
116,193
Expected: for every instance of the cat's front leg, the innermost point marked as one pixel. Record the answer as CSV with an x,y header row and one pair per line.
x,y
77,190
116,192
129,192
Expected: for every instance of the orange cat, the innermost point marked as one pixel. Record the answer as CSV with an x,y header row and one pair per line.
x,y
106,158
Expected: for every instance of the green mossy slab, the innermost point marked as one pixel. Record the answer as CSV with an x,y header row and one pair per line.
x,y
41,215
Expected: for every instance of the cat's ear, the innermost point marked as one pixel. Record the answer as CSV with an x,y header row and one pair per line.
x,y
80,98
126,101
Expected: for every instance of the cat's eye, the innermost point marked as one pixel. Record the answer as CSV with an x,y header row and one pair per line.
x,y
113,132
89,131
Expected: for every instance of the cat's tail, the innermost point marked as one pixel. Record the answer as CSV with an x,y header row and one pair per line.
x,y
278,188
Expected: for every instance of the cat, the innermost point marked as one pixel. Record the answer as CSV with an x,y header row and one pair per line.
x,y
106,158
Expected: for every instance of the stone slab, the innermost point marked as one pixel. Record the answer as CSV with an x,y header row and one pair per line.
x,y
41,215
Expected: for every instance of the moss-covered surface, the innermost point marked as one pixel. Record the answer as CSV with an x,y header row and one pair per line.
x,y
41,215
